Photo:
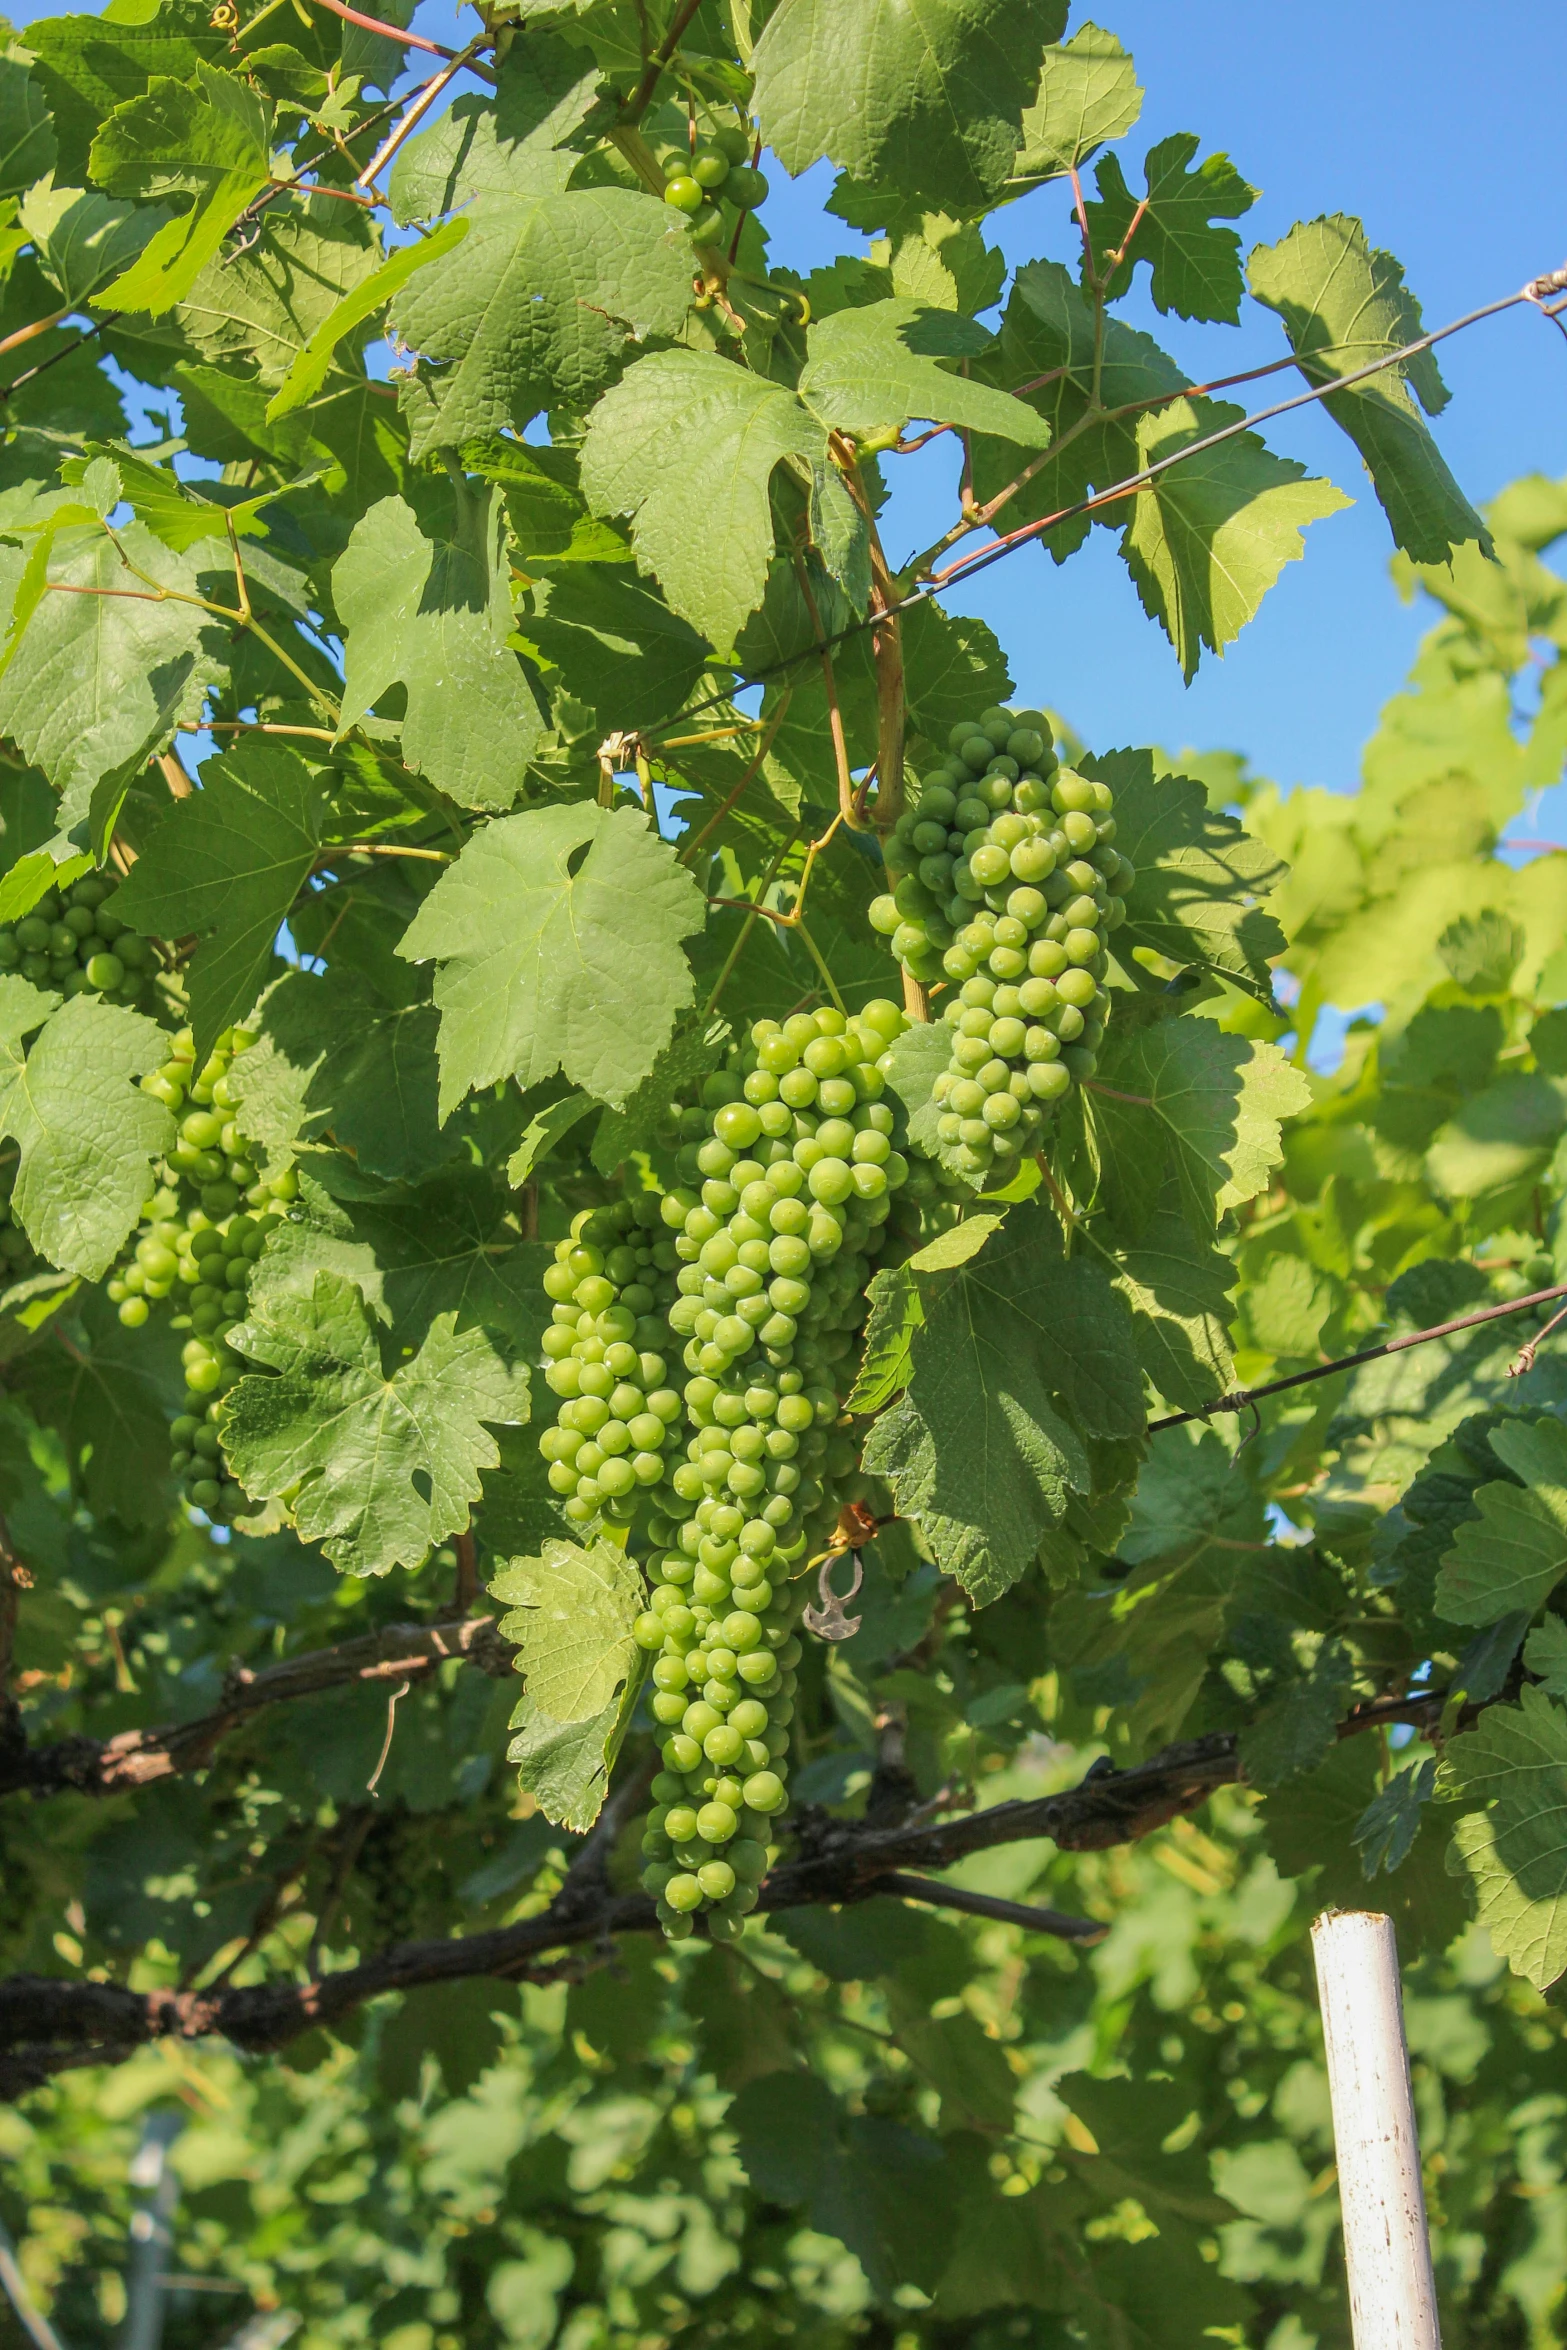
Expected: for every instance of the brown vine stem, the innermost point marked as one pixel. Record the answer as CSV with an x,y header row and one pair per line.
x,y
376,24
652,73
1243,1398
428,93
48,2025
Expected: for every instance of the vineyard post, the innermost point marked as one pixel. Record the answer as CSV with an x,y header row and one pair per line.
x,y
1387,2250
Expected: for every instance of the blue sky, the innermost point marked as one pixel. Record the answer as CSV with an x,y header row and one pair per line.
x,y
1435,123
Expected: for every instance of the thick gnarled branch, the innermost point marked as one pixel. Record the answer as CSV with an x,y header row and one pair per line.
x,y
49,2026
134,1758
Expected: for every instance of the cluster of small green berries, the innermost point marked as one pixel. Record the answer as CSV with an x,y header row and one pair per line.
x,y
798,1174
199,1237
604,1357
718,166
73,943
1017,886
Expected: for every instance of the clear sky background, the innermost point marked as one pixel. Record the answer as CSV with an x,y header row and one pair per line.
x,y
1439,125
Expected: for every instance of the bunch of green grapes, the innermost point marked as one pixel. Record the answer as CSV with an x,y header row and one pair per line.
x,y
718,172
604,1352
199,1237
74,943
799,1175
1036,885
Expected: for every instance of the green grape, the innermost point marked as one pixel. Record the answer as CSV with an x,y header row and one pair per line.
x,y
197,1260
604,1359
1037,887
776,1250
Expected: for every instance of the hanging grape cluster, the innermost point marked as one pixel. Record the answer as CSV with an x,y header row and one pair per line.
x,y
197,1242
604,1354
717,175
74,943
1017,884
798,1173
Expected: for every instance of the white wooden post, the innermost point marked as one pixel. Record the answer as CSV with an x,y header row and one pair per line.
x,y
1387,2252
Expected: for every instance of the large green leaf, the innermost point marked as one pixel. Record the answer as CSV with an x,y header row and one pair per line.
x,y
27,141
207,138
873,369
433,614
922,96
1216,1099
572,1612
312,363
1513,1555
1178,1288
534,309
262,306
336,1056
382,1465
1345,305
572,1615
83,240
108,661
87,1135
685,432
1018,1350
1208,538
1514,1763
1195,268
1087,93
558,933
227,863
86,66
1199,874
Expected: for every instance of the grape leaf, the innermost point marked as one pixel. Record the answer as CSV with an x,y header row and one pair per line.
x,y
111,1393
543,1131
572,1612
211,141
1298,1726
559,937
876,368
312,364
1513,1764
1511,1557
535,308
1218,1100
86,1134
227,863
1345,305
584,1671
86,67
82,240
1178,1288
1545,1653
980,1450
96,681
386,1465
335,1056
1199,874
615,644
1208,539
1087,93
925,98
1194,268
1387,1828
684,431
27,141
434,614
263,305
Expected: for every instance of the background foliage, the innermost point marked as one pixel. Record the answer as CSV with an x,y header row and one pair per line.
x,y
548,702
